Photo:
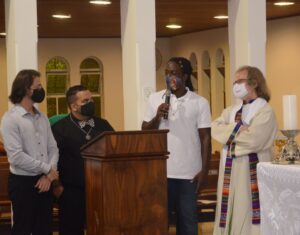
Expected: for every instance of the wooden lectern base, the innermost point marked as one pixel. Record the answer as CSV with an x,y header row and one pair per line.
x,y
126,184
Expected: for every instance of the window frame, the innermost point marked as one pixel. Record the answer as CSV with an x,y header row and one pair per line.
x,y
95,71
64,72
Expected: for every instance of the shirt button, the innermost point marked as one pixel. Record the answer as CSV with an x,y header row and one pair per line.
x,y
42,155
39,143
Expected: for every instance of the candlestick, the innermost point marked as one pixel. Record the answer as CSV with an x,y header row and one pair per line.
x,y
290,112
290,153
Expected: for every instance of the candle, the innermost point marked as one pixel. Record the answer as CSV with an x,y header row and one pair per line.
x,y
290,112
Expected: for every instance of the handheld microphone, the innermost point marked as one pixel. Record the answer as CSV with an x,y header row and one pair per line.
x,y
167,101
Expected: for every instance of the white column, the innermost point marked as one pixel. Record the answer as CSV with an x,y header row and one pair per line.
x,y
247,34
21,37
138,55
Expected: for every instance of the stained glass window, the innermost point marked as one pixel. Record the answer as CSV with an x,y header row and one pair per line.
x,y
56,83
91,82
57,73
91,76
51,107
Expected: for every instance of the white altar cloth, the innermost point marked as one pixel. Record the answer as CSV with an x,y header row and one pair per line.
x,y
279,192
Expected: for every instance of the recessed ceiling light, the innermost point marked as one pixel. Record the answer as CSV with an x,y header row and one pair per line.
x,y
221,17
173,26
103,2
3,34
283,3
61,16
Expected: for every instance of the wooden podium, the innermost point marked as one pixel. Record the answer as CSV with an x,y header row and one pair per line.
x,y
126,183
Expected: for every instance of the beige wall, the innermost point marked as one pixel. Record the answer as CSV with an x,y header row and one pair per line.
x,y
108,51
198,43
3,80
74,51
283,63
283,60
163,45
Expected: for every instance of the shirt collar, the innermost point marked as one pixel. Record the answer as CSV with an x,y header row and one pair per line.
x,y
185,97
22,111
248,102
78,121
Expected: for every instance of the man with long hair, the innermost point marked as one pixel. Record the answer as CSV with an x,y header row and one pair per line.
x,y
247,131
32,154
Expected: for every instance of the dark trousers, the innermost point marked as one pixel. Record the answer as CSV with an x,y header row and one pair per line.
x,y
72,211
182,199
32,211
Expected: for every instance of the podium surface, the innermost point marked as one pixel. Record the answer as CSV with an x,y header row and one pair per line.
x,y
126,183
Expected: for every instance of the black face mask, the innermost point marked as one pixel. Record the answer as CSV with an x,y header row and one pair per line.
x,y
38,95
88,109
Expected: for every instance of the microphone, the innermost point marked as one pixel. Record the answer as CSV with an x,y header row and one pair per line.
x,y
167,101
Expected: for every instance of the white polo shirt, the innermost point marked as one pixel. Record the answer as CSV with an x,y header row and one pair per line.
x,y
186,115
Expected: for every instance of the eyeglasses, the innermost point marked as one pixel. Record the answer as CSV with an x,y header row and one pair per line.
x,y
240,81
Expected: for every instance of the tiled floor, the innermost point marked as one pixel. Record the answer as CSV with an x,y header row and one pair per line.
x,y
204,229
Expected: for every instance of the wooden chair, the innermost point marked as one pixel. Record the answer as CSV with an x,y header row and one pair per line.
x,y
5,203
2,150
5,211
207,197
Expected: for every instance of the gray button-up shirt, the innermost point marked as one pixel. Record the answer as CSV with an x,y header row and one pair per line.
x,y
29,142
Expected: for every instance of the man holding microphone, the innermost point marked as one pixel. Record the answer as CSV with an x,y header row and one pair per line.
x,y
187,117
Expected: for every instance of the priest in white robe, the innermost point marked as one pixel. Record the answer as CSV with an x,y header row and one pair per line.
x,y
247,131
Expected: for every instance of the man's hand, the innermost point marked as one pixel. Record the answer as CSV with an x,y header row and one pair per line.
x,y
162,110
154,123
43,184
244,128
52,175
200,180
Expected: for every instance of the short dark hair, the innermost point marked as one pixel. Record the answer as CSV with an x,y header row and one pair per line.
x,y
186,68
21,84
72,91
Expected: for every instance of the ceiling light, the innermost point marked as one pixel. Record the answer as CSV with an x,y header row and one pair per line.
x,y
221,17
3,34
103,2
283,3
61,16
173,26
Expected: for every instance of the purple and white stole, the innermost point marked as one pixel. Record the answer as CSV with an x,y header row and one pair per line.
x,y
255,106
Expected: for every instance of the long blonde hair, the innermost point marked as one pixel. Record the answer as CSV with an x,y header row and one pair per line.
x,y
256,77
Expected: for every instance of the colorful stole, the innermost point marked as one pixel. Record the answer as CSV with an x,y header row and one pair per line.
x,y
253,160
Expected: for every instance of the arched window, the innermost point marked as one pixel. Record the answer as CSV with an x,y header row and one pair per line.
x,y
158,59
206,77
194,77
91,76
57,75
220,80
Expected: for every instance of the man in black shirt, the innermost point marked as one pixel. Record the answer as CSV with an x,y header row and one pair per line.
x,y
71,133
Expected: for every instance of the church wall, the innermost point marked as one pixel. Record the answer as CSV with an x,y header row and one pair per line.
x,y
282,55
108,51
200,43
3,80
283,63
